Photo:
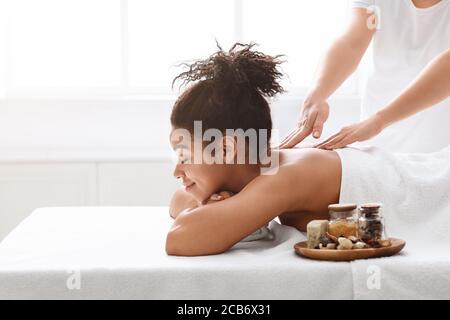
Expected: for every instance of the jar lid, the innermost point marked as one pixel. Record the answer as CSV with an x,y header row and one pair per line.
x,y
371,206
342,207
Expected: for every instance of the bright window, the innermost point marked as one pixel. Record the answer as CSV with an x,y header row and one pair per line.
x,y
69,43
122,47
301,30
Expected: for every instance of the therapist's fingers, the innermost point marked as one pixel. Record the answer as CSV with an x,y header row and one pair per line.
x,y
318,128
300,134
293,133
343,143
332,143
311,121
319,122
320,144
289,136
337,139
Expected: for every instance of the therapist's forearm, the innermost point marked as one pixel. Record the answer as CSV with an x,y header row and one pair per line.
x,y
338,63
431,87
343,57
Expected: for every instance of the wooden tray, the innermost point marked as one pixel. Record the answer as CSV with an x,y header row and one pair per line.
x,y
349,255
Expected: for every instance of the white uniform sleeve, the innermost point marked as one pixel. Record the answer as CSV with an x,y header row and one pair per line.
x,y
362,3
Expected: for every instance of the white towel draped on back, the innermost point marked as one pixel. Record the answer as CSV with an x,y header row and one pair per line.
x,y
415,192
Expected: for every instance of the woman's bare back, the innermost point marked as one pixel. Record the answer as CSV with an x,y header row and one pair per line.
x,y
319,178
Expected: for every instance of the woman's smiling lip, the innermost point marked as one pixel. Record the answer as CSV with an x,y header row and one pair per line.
x,y
189,185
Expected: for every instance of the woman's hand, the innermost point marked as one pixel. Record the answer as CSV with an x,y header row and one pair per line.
x,y
181,201
360,131
314,115
223,195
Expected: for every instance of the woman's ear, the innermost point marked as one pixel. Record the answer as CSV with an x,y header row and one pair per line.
x,y
229,149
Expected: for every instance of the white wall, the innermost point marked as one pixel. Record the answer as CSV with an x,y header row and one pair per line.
x,y
26,186
97,152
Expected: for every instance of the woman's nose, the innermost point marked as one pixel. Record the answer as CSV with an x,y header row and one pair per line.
x,y
178,172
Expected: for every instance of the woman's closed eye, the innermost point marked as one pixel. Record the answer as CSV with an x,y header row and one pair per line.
x,y
182,158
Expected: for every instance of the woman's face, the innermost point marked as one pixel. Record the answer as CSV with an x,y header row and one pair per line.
x,y
201,179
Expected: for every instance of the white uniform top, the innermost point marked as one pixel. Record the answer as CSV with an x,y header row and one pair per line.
x,y
406,40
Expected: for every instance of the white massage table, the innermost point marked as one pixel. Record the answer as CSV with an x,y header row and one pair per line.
x,y
118,253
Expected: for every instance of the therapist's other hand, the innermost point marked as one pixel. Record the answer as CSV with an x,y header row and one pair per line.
x,y
357,132
314,115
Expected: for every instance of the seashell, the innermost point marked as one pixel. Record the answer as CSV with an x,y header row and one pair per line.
x,y
345,243
331,246
353,239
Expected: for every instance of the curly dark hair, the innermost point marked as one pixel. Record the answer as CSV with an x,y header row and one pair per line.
x,y
229,90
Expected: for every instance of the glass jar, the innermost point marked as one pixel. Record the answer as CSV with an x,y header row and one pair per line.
x,y
343,221
371,224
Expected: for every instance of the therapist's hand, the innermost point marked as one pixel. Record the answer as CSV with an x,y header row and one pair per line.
x,y
313,116
360,131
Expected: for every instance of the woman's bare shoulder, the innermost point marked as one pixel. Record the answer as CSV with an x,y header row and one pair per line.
x,y
308,157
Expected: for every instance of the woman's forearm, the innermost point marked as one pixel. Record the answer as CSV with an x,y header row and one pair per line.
x,y
431,87
181,201
342,58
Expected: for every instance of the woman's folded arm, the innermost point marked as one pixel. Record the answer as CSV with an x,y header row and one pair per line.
x,y
181,200
215,228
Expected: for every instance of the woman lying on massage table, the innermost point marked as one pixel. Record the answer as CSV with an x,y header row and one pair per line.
x,y
296,185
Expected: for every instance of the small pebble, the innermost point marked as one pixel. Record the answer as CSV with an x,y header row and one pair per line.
x,y
324,240
359,245
331,246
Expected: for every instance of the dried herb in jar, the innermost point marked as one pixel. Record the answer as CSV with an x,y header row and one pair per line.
x,y
342,220
371,224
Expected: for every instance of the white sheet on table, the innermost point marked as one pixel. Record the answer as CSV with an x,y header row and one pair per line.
x,y
120,251
120,255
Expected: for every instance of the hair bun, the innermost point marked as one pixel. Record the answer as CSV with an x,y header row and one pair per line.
x,y
241,65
